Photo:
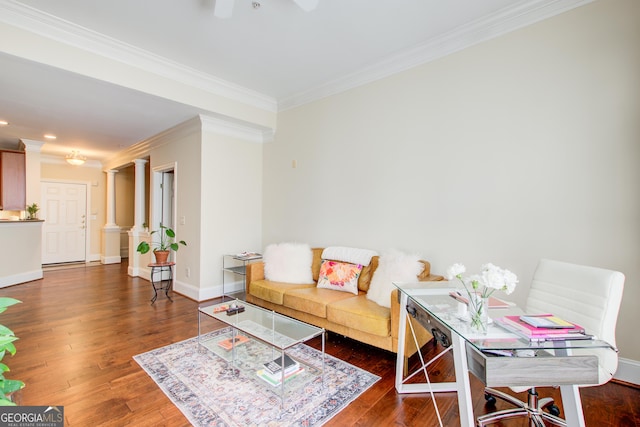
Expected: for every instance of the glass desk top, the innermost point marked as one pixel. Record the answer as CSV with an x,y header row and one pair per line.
x,y
434,298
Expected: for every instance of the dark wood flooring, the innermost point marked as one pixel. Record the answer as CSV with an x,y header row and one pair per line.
x,y
79,329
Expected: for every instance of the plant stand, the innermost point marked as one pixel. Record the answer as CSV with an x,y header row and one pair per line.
x,y
158,279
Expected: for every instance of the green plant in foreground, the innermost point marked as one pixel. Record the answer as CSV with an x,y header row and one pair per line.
x,y
7,337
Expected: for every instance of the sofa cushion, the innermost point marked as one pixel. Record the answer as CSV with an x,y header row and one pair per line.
x,y
339,276
274,291
360,314
313,300
288,262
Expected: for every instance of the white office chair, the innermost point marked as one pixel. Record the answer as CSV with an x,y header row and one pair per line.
x,y
588,296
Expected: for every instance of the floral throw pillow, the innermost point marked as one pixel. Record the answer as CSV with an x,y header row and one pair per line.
x,y
339,276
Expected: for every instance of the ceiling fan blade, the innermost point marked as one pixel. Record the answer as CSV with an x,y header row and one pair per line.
x,y
223,8
307,5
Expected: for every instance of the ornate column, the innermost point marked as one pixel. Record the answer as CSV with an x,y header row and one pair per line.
x,y
138,233
111,231
111,198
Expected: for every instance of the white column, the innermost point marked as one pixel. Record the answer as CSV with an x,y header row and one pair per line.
x,y
139,202
111,198
111,231
137,232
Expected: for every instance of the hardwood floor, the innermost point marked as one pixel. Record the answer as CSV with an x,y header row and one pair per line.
x,y
79,329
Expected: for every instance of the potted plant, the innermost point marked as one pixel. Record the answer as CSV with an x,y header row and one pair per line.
x,y
7,386
161,248
33,210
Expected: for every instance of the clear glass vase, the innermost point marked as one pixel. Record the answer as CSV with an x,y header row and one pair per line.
x,y
478,316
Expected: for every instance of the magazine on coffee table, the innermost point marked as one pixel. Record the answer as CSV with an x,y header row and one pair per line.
x,y
229,343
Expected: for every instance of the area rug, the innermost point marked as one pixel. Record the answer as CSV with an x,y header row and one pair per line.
x,y
203,385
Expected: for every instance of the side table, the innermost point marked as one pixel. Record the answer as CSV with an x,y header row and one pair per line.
x,y
162,283
237,265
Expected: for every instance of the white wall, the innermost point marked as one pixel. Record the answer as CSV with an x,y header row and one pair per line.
x,y
520,148
231,205
18,264
218,194
180,149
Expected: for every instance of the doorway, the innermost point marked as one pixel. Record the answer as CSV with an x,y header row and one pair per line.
x,y
64,231
167,198
163,207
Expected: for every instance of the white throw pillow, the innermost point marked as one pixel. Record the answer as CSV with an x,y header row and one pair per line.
x,y
393,266
350,255
288,263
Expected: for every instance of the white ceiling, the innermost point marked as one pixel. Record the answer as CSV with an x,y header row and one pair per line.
x,y
278,50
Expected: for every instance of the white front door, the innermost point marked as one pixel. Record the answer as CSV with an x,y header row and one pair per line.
x,y
64,210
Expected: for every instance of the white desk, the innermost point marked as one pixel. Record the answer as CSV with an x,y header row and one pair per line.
x,y
561,363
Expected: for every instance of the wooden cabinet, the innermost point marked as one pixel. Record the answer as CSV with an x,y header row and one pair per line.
x,y
13,188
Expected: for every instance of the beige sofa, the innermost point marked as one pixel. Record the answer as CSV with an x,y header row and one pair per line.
x,y
341,312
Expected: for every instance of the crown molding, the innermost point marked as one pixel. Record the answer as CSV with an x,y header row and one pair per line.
x,y
52,159
201,123
506,20
141,149
49,26
31,145
519,15
240,130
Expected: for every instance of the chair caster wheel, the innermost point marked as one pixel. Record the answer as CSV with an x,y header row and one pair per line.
x,y
491,400
554,410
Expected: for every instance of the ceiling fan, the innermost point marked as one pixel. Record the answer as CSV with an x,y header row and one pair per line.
x,y
224,8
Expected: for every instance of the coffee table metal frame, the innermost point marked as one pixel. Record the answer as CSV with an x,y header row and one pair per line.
x,y
279,332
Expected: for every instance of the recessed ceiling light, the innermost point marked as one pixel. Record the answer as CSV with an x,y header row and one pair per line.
x,y
3,123
49,136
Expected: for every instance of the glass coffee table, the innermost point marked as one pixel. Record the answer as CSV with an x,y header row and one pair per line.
x,y
261,345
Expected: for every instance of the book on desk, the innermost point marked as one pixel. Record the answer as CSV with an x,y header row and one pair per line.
x,y
554,329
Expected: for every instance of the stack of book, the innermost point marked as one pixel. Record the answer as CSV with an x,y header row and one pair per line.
x,y
543,327
245,256
271,372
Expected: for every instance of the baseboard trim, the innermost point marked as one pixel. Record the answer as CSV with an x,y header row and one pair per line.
x,y
206,294
110,260
187,290
20,278
628,371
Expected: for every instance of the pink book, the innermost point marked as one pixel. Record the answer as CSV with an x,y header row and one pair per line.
x,y
530,330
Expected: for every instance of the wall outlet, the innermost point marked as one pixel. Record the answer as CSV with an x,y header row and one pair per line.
x,y
187,272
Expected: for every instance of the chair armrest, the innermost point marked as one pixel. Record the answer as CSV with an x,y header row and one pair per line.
x,y
254,271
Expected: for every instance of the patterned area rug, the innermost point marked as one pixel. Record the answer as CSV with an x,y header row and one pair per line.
x,y
200,382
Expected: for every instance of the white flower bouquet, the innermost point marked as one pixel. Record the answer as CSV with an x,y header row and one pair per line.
x,y
479,288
